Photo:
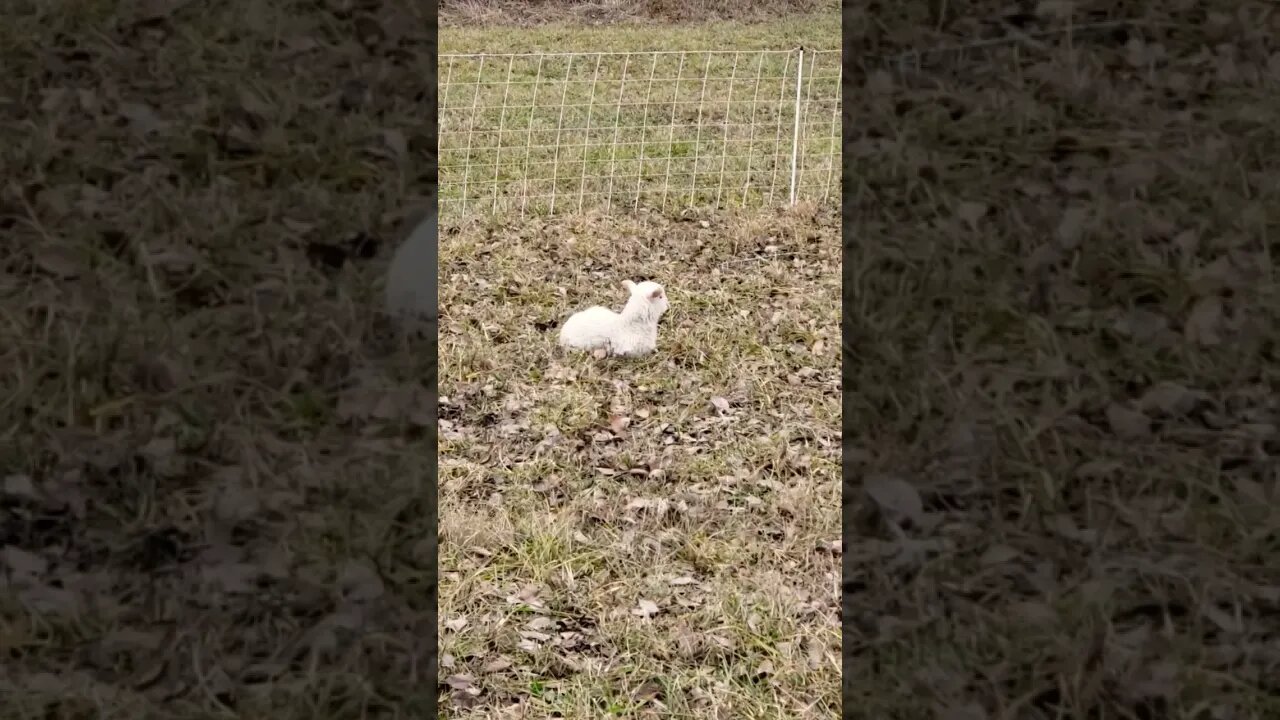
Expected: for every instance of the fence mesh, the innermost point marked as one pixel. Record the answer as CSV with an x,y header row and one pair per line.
x,y
555,132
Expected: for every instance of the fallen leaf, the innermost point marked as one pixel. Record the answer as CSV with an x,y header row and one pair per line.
x,y
999,555
720,404
1253,492
649,690
395,142
835,547
1071,228
1097,469
1065,526
1042,258
1187,242
1161,680
880,82
159,374
53,99
618,423
1128,424
527,596
459,682
233,578
141,117
1168,398
541,623
1033,613
19,486
1203,326
1134,176
235,504
22,563
50,600
1225,621
646,609
359,581
58,260
971,212
251,103
659,506
1141,325
895,495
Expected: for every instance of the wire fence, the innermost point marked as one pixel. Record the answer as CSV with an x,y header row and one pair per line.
x,y
554,132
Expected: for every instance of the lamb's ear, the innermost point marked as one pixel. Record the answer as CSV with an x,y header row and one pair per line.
x,y
630,286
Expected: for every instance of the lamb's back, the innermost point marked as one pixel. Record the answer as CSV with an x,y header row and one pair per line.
x,y
591,328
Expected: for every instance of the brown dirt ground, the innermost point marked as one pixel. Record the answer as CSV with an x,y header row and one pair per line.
x,y
216,497
1061,323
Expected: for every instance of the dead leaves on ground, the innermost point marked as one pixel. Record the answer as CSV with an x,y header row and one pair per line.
x,y
650,490
1063,438
178,361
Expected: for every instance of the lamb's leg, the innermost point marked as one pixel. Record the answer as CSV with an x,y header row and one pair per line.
x,y
600,353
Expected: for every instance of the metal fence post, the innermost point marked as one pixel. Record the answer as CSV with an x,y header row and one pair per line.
x,y
795,136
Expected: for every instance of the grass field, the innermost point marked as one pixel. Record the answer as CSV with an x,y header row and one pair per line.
x,y
683,17
215,490
1060,363
655,538
1061,329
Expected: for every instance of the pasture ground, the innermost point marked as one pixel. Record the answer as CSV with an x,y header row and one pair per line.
x,y
215,496
1061,323
641,538
654,538
1060,338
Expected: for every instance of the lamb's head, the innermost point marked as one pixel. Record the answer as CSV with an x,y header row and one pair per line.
x,y
648,301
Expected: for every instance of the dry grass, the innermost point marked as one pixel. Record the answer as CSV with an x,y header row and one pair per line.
x,y
215,502
525,13
1061,324
819,29
654,537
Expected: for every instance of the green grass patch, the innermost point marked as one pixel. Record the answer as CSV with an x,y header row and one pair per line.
x,y
695,117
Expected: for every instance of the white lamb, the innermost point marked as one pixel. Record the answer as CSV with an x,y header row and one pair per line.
x,y
632,333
